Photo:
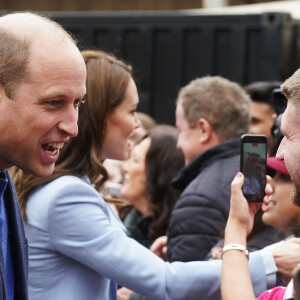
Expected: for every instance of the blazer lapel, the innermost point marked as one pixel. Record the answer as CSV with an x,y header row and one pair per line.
x,y
18,241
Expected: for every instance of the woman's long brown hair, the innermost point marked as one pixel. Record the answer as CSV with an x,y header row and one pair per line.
x,y
107,80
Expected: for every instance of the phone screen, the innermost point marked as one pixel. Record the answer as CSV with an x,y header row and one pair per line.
x,y
253,166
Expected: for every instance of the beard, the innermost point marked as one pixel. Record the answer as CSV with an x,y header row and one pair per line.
x,y
295,194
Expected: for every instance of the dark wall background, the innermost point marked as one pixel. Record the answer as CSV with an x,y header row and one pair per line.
x,y
105,5
167,50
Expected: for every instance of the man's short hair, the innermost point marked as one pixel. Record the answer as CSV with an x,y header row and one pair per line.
x,y
223,103
262,91
15,49
291,89
14,56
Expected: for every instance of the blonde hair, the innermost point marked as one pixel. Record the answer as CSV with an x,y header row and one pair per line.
x,y
291,88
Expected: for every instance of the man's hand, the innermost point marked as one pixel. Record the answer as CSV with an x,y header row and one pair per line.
x,y
215,253
124,293
286,256
159,247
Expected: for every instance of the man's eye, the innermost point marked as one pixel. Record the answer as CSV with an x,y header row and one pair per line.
x,y
79,102
254,121
53,103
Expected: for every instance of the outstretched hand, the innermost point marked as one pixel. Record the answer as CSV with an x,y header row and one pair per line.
x,y
159,247
286,255
124,293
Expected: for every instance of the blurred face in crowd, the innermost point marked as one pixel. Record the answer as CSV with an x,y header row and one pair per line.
x,y
44,112
188,138
121,124
134,186
290,145
262,119
281,211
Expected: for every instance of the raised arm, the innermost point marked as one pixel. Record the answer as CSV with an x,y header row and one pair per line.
x,y
235,279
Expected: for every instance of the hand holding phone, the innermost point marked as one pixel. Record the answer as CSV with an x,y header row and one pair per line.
x,y
253,166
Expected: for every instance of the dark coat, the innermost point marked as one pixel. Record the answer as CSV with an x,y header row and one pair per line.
x,y
19,246
200,214
137,227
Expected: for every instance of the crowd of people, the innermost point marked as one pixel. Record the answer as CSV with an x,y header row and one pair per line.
x,y
179,226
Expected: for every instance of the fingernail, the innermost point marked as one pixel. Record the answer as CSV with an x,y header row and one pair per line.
x,y
239,174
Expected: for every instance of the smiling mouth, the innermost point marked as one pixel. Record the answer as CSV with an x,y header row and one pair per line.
x,y
52,148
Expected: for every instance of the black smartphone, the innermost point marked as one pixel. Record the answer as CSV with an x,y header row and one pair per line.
x,y
253,166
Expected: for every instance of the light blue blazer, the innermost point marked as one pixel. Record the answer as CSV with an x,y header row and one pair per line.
x,y
78,250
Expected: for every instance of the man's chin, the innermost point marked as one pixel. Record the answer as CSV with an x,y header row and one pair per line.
x,y
42,171
295,194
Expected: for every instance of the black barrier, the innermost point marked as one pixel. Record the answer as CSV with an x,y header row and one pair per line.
x,y
167,50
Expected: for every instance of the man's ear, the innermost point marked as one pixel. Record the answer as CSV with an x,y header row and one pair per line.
x,y
205,130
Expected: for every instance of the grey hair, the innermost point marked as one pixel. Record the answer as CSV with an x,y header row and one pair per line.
x,y
223,103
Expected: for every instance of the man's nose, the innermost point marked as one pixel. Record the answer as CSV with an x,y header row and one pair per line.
x,y
178,143
281,149
68,124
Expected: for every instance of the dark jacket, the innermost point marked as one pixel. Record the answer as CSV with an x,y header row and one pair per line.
x,y
137,227
19,246
200,214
